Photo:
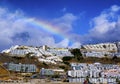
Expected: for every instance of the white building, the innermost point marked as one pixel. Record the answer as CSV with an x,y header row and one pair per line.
x,y
101,47
61,52
44,54
97,73
99,50
22,67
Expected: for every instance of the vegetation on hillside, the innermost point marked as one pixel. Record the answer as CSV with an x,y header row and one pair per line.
x,y
66,60
81,59
4,58
77,56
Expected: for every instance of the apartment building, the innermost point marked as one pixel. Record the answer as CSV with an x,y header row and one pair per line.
x,y
96,72
27,68
99,50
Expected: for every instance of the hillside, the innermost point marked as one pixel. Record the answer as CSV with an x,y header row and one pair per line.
x,y
26,60
31,60
104,60
3,72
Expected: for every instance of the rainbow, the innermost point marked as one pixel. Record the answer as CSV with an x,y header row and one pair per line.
x,y
41,24
44,25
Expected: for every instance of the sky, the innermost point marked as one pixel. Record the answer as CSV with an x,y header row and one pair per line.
x,y
58,23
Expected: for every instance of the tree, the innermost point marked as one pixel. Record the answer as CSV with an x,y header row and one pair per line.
x,y
114,57
77,53
67,58
118,81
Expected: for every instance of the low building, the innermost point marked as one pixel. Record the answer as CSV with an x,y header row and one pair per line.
x,y
61,52
96,73
99,50
46,72
23,68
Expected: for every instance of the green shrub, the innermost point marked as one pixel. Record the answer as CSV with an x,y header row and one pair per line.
x,y
67,58
67,63
62,67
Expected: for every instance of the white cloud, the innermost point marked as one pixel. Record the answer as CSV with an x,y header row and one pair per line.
x,y
105,27
102,24
15,30
75,45
64,10
64,43
115,8
65,22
